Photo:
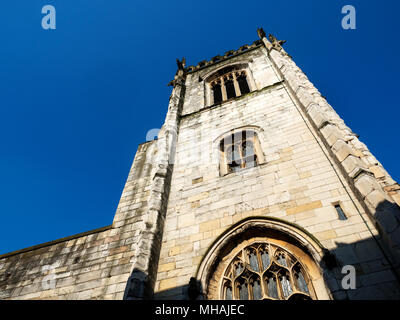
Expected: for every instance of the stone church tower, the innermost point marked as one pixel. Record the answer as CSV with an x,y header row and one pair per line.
x,y
254,189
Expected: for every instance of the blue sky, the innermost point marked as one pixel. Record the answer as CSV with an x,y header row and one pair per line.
x,y
75,102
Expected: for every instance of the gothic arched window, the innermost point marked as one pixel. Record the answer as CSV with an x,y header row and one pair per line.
x,y
264,258
239,150
227,83
265,271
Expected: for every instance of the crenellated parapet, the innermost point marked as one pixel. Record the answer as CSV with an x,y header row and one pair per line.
x,y
227,55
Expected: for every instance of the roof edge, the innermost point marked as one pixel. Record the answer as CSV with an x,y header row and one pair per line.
x,y
50,243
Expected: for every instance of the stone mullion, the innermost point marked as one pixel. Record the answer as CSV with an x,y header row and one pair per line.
x,y
211,89
236,85
250,81
239,146
279,286
261,273
292,281
223,89
263,285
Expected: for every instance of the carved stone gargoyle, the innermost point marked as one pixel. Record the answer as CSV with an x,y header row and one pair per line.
x,y
181,64
179,73
277,44
261,33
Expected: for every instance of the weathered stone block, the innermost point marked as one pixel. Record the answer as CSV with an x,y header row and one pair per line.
x,y
376,199
209,225
317,115
342,150
304,207
168,284
331,133
365,184
352,163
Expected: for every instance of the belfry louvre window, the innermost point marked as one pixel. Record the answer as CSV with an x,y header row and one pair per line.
x,y
240,150
227,84
217,93
265,271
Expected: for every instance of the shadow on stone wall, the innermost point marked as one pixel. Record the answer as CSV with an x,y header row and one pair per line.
x,y
192,291
375,265
376,278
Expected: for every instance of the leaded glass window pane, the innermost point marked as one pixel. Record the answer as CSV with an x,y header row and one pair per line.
x,y
238,269
265,259
257,294
272,289
247,148
243,291
281,259
253,261
286,286
301,283
340,212
233,158
232,154
228,294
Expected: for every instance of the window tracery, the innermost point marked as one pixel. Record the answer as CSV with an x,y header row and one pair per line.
x,y
228,83
240,150
265,271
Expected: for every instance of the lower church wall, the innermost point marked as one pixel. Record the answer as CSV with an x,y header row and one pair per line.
x,y
92,265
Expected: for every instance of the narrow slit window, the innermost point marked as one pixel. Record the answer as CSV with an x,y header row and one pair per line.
x,y
301,283
238,269
340,212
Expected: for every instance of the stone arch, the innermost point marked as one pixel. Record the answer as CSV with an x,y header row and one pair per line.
x,y
242,66
281,233
254,128
218,156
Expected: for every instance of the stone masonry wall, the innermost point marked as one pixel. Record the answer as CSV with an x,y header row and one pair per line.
x,y
377,191
94,265
176,203
298,183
